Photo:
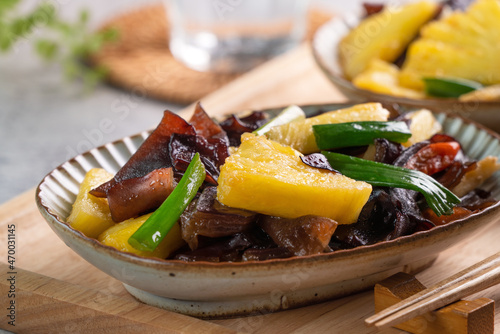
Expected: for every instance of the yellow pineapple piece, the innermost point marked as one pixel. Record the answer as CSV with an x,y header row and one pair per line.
x,y
461,45
117,236
423,126
446,30
486,167
267,177
90,215
300,136
486,13
489,93
383,77
384,35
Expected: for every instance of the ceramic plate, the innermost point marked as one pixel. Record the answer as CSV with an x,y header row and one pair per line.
x,y
325,51
211,290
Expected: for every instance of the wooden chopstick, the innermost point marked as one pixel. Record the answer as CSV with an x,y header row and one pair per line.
x,y
475,278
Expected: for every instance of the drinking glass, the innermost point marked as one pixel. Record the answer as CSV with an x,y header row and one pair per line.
x,y
229,36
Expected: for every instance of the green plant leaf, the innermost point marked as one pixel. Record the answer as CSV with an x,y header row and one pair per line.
x,y
109,35
47,49
84,17
69,43
6,5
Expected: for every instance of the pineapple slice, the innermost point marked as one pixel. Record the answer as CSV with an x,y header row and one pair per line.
x,y
269,178
117,236
462,45
486,167
489,93
383,77
384,35
300,136
423,126
90,215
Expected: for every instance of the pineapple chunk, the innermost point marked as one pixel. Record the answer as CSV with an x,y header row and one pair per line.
x,y
489,93
383,77
300,136
462,45
90,215
473,179
423,126
269,178
117,236
384,35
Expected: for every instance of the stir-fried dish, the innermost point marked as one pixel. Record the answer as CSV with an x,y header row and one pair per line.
x,y
426,49
255,187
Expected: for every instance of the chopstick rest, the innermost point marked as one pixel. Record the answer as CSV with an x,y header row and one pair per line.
x,y
475,278
471,317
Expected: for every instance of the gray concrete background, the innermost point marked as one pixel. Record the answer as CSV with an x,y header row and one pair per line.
x,y
45,120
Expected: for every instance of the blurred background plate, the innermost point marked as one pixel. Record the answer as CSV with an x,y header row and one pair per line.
x,y
325,51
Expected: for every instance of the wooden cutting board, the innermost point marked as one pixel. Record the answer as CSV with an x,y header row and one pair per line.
x,y
56,291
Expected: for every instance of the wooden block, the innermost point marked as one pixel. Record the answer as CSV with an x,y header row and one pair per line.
x,y
462,317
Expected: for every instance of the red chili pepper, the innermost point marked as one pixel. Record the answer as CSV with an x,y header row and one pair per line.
x,y
441,138
434,157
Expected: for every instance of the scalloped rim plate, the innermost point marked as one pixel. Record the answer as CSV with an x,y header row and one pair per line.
x,y
215,290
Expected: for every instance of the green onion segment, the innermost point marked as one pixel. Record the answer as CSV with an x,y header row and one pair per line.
x,y
448,87
287,115
156,227
331,136
440,199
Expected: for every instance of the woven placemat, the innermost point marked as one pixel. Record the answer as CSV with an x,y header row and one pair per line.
x,y
141,62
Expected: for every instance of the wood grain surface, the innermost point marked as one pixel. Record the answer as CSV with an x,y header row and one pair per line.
x,y
58,292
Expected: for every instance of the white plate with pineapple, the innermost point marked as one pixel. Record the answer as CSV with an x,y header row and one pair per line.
x,y
358,55
211,290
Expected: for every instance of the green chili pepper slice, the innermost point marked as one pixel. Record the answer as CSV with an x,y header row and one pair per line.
x,y
331,136
449,87
156,227
439,198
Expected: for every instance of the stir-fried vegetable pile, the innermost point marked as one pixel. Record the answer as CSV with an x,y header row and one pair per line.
x,y
241,190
